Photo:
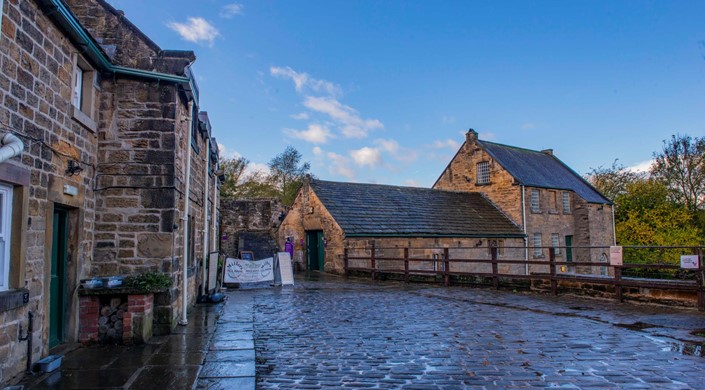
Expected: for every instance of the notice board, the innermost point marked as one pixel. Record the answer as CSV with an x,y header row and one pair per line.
x,y
285,268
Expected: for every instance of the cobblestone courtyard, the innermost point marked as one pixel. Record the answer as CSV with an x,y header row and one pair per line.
x,y
330,333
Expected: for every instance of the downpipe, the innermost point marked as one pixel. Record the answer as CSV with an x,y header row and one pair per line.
x,y
28,338
11,146
184,276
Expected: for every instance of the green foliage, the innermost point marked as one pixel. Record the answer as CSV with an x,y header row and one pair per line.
x,y
150,282
681,165
613,181
288,173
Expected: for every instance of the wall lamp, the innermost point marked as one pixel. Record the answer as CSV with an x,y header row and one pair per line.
x,y
73,168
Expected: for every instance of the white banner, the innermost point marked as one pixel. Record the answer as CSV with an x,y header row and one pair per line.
x,y
246,271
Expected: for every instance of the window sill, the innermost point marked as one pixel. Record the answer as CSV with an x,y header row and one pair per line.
x,y
483,184
553,212
84,120
12,299
536,211
539,257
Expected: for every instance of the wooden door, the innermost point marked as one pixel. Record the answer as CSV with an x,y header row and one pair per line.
x,y
57,286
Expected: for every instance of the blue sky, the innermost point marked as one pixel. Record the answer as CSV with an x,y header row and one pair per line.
x,y
383,91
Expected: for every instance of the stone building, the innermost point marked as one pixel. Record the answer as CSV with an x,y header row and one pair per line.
x,y
107,167
328,217
553,205
250,225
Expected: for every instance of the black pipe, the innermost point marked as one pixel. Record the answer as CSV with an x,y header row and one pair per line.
x,y
28,337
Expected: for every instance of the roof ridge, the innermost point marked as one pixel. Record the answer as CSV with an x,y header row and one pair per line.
x,y
396,186
514,147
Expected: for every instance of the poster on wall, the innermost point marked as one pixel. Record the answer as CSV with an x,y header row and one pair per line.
x,y
616,255
690,261
248,271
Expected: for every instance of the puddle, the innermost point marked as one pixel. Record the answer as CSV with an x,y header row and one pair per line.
x,y
637,326
580,308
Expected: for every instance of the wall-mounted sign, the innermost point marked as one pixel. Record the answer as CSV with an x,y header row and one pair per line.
x,y
616,255
285,269
247,255
246,271
690,261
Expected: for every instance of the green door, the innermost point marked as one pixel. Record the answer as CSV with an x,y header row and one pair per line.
x,y
57,288
568,248
315,250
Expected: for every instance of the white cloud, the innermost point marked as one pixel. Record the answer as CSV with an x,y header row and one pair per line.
x,y
226,152
305,81
317,151
642,167
352,125
230,10
301,115
197,30
315,134
398,152
449,143
366,156
257,168
340,165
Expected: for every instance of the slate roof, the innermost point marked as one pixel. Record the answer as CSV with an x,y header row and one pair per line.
x,y
383,210
537,169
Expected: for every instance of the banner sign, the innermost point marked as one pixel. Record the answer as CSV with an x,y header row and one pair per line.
x,y
248,271
690,261
287,272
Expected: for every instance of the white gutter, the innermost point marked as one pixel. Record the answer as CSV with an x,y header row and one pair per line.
x,y
523,226
11,146
206,226
184,287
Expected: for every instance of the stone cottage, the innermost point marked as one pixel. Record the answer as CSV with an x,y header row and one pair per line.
x,y
107,167
328,217
553,205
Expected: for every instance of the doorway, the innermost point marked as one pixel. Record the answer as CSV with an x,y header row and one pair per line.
x,y
57,286
568,248
315,250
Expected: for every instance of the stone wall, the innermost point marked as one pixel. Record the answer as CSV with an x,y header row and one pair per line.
x,y
36,63
250,224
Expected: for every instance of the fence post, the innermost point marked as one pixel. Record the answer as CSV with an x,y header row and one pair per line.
x,y
345,262
373,264
406,265
495,266
446,268
618,282
701,279
552,267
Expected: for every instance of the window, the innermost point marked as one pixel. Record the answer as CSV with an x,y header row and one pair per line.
x,y
499,244
553,198
195,124
83,86
556,243
5,231
483,172
566,202
538,251
535,205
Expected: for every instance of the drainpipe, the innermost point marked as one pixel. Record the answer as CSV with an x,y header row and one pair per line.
x,y
206,226
184,287
214,243
10,146
523,226
614,230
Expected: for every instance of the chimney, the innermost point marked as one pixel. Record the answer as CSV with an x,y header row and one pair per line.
x,y
548,152
471,136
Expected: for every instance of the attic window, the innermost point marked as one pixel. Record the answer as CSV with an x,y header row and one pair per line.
x,y
483,172
535,205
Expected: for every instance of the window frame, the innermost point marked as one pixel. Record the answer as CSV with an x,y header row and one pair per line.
x,y
538,249
535,200
556,243
482,173
566,202
498,243
84,84
6,203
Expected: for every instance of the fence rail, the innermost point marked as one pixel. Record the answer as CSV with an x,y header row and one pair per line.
x,y
442,264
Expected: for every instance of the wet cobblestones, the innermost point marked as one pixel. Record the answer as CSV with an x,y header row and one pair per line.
x,y
332,333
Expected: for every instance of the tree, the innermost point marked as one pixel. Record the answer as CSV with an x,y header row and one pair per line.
x,y
681,165
288,173
239,184
233,169
613,181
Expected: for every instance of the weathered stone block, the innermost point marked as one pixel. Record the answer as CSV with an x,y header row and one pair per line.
x,y
151,245
158,199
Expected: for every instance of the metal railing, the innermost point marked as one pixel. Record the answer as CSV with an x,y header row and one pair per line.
x,y
445,263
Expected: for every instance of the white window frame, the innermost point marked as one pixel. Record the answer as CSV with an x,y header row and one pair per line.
x,y
556,243
535,200
83,92
566,202
538,250
5,234
483,172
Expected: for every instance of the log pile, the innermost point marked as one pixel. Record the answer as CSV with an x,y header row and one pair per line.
x,y
110,321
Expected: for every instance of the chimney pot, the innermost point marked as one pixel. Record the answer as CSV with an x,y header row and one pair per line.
x,y
548,152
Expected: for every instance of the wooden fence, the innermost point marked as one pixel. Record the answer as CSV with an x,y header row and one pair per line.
x,y
377,261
